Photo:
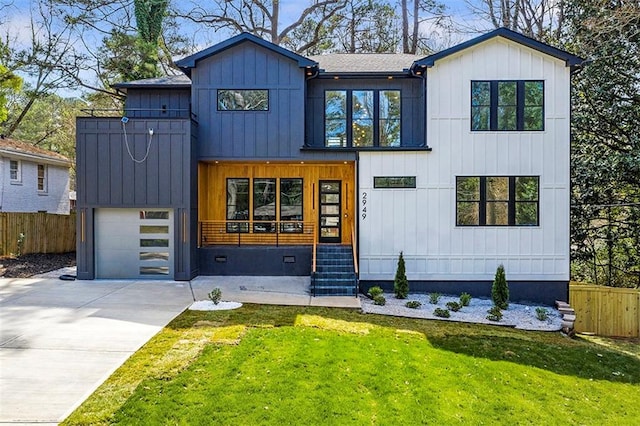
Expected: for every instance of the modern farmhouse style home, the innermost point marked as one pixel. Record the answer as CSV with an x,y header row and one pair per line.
x,y
259,161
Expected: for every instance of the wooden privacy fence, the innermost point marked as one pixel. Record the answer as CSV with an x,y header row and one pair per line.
x,y
43,233
606,311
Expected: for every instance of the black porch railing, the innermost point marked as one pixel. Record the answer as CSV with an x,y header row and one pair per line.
x,y
246,232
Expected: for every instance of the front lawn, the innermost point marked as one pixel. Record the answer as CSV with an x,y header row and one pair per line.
x,y
297,365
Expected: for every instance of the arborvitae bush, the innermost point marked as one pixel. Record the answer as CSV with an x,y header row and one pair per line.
x,y
401,284
215,295
500,289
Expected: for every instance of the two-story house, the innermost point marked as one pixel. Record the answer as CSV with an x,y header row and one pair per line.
x,y
259,161
32,179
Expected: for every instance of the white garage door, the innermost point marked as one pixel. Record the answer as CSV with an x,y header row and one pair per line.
x,y
134,243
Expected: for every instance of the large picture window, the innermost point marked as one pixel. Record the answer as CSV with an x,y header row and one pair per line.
x,y
243,100
263,200
362,118
507,105
497,201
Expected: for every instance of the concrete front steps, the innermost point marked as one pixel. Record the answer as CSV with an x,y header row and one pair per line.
x,y
335,273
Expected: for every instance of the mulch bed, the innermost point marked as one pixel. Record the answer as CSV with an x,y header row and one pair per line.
x,y
36,263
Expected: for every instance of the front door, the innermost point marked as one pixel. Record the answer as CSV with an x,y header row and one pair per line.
x,y
330,211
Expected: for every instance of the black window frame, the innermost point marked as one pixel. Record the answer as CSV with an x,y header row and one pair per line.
x,y
512,202
350,120
394,182
242,109
520,106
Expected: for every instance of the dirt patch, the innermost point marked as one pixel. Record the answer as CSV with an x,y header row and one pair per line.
x,y
36,263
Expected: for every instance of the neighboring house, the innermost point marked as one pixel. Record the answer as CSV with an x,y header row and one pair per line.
x,y
460,160
32,179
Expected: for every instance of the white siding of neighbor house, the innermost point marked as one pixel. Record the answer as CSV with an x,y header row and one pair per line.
x,y
421,222
23,195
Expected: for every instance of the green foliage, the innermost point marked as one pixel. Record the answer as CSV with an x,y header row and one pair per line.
x,y
10,83
454,306
441,313
434,297
374,291
413,304
20,242
500,289
542,313
215,295
465,299
379,300
400,283
495,314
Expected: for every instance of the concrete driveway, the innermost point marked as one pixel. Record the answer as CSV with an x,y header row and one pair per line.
x,y
59,340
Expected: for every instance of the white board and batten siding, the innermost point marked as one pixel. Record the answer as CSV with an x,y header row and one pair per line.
x,y
421,222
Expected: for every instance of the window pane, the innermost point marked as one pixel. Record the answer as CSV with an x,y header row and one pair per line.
x,y
243,100
480,93
527,188
507,93
480,118
497,188
527,213
291,199
389,117
330,209
330,198
533,93
335,112
533,118
154,242
152,255
362,114
468,213
150,229
497,213
394,182
154,270
150,214
468,189
264,199
507,119
237,199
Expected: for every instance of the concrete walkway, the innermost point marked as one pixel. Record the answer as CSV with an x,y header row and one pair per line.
x,y
59,340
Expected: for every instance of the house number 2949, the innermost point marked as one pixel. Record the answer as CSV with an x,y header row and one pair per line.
x,y
364,205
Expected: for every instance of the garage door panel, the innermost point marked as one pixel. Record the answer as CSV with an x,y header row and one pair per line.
x,y
134,243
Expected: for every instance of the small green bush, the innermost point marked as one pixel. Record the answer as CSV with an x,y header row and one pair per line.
x,y
400,283
495,314
433,298
413,304
442,313
215,295
500,289
542,314
465,299
375,291
379,300
454,306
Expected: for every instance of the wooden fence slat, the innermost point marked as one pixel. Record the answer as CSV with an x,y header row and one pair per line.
x,y
606,311
44,233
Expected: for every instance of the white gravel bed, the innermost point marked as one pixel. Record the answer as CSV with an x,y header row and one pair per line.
x,y
522,317
207,305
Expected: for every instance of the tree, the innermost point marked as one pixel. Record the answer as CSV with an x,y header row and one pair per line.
x,y
9,83
400,283
500,289
423,11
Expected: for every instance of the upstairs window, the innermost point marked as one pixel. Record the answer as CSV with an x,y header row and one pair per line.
x,y
507,105
243,100
42,178
14,171
497,201
362,118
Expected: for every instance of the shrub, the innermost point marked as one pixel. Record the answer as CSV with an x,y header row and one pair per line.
x,y
442,313
542,314
215,295
413,304
375,291
379,300
433,298
495,314
454,306
465,299
400,283
500,289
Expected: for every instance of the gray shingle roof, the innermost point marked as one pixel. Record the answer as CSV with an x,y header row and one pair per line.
x,y
365,62
177,81
19,148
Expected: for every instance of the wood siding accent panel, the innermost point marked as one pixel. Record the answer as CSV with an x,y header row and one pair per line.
x,y
276,133
213,197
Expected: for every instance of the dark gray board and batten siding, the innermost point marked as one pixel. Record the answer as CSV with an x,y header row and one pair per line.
x,y
158,103
109,178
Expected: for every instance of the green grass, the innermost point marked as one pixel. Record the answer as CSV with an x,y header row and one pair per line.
x,y
308,366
